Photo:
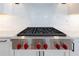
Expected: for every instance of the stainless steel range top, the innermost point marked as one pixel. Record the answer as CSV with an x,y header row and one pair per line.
x,y
42,38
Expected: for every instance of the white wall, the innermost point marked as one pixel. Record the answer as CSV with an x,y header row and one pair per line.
x,y
15,20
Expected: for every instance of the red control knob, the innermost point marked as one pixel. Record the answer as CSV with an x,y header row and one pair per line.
x,y
25,46
64,46
41,33
45,46
38,46
18,46
57,46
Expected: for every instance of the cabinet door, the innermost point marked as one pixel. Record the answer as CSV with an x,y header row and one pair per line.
x,y
54,53
5,47
26,53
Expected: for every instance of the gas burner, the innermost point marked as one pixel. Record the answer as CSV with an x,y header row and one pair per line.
x,y
41,31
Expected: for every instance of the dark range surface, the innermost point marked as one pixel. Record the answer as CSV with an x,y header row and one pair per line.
x,y
41,31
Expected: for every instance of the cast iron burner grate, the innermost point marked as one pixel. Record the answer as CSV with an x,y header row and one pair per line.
x,y
41,31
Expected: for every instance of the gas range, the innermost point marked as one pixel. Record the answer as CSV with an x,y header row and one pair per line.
x,y
42,38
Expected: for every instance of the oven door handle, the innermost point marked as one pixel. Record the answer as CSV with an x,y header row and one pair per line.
x,y
73,46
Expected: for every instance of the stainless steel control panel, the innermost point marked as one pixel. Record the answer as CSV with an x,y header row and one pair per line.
x,y
42,44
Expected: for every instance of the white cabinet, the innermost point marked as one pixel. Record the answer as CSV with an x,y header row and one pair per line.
x,y
26,53
56,53
5,47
